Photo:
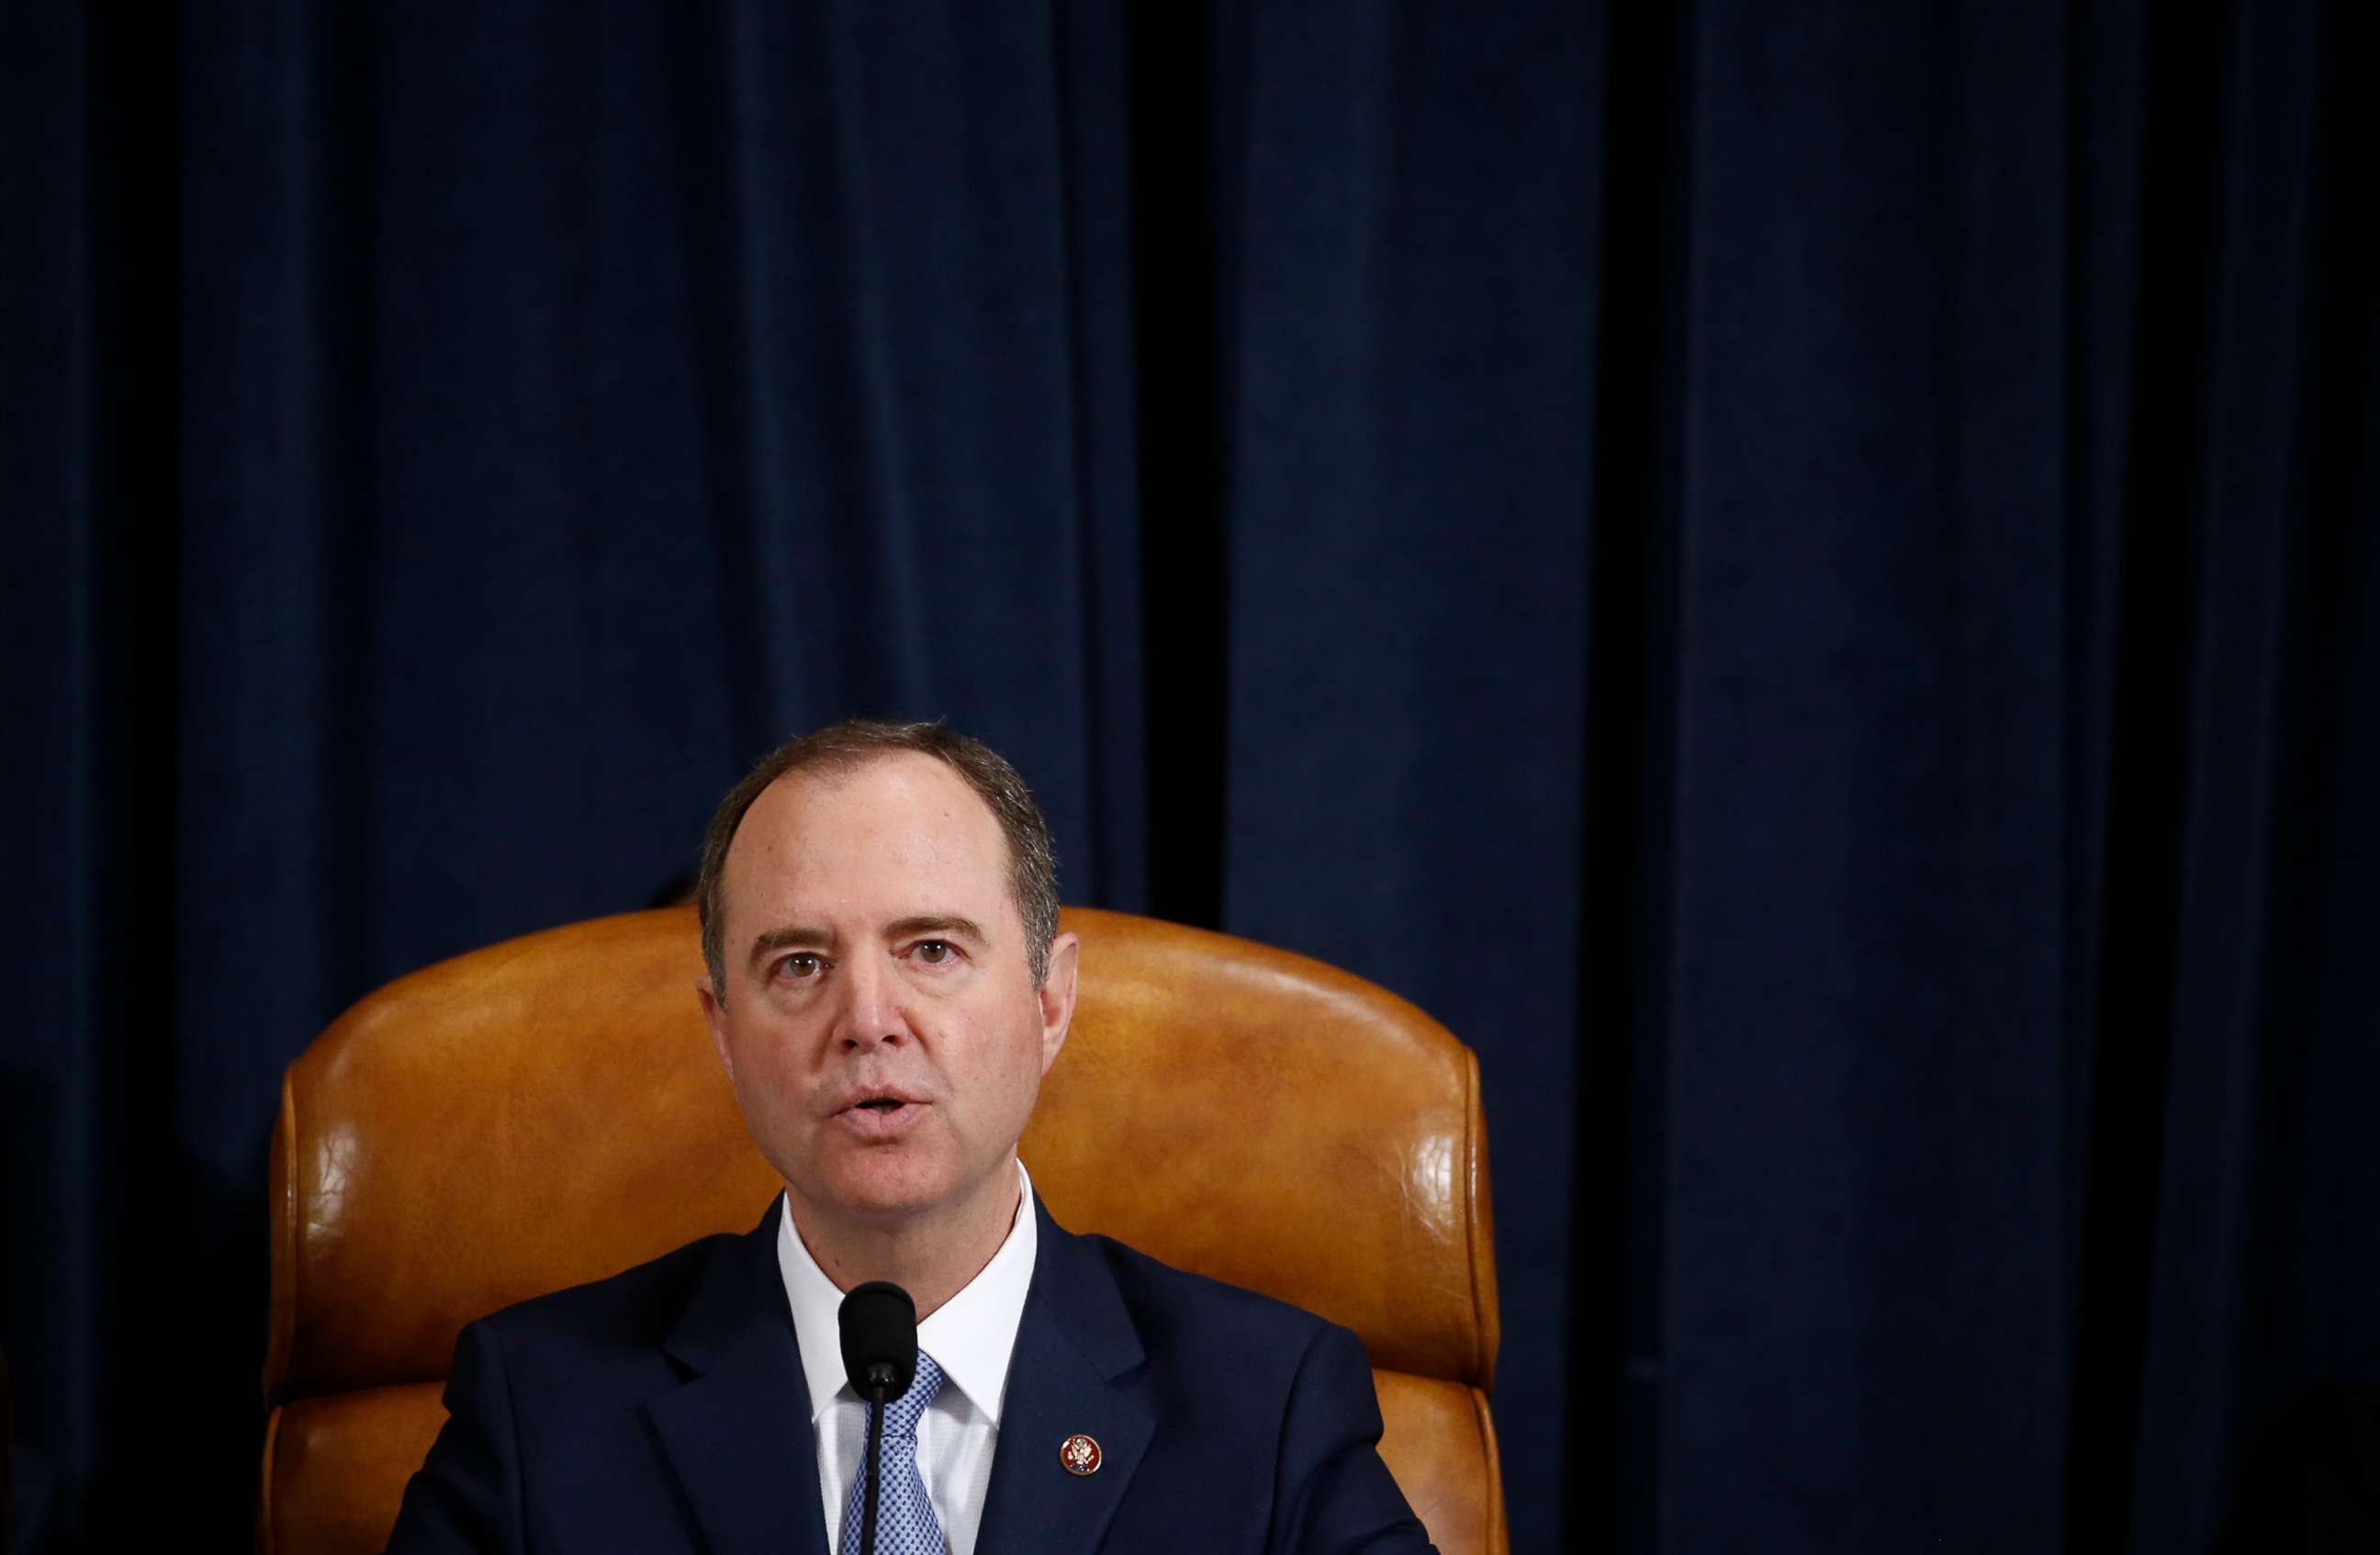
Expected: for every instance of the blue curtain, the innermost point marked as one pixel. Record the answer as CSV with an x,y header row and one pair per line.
x,y
1806,577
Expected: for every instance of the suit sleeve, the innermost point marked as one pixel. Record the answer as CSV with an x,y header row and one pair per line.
x,y
1336,1496
466,1494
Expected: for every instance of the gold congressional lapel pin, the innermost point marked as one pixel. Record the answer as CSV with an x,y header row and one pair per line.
x,y
1080,1455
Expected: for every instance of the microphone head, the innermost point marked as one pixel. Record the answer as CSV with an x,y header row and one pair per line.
x,y
880,1339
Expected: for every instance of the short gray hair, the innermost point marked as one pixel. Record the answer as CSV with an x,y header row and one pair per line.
x,y
842,747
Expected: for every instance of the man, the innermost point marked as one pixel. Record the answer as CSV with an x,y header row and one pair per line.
x,y
886,988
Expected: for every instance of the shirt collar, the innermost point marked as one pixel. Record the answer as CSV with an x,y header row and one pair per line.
x,y
971,1336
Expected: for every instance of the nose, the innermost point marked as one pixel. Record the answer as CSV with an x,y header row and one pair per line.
x,y
870,1014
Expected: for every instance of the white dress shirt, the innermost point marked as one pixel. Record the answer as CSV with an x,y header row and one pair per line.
x,y
970,1336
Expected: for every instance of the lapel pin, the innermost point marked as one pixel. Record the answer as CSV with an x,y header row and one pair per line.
x,y
1080,1455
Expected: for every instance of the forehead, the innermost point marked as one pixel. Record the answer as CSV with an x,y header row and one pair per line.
x,y
899,831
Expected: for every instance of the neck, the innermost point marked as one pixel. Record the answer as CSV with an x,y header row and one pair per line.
x,y
932,1255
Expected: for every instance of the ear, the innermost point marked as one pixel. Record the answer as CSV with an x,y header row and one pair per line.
x,y
715,1017
1058,997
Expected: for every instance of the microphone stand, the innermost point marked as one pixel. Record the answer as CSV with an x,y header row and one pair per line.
x,y
880,1391
879,1357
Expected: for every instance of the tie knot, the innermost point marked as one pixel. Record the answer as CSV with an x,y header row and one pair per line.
x,y
901,1415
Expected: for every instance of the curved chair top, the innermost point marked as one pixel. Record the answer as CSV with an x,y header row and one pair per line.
x,y
551,1110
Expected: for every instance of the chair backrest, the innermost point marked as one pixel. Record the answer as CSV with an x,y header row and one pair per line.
x,y
551,1110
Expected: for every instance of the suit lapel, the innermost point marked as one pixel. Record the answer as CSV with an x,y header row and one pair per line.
x,y
1074,1343
736,1431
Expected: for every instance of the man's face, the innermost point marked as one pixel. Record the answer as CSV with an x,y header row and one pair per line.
x,y
880,1021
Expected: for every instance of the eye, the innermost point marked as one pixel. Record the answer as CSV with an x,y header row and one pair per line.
x,y
933,953
802,965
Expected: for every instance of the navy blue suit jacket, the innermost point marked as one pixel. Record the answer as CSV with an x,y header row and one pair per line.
x,y
665,1409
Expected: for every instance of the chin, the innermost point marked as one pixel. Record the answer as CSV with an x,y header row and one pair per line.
x,y
886,1191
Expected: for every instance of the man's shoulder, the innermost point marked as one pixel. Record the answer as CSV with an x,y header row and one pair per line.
x,y
638,1306
1269,1413
1194,1318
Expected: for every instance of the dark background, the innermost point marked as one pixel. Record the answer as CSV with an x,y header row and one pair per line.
x,y
1803,575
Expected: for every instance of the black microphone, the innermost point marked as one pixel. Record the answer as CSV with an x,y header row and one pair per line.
x,y
880,1356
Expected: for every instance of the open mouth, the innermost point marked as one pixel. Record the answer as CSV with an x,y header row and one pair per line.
x,y
880,1120
880,1111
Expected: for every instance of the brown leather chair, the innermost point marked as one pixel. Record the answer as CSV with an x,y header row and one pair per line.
x,y
551,1110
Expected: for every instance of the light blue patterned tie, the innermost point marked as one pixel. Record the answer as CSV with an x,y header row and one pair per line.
x,y
905,1518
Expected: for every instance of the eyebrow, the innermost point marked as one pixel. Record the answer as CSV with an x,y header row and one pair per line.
x,y
786,939
804,937
940,923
